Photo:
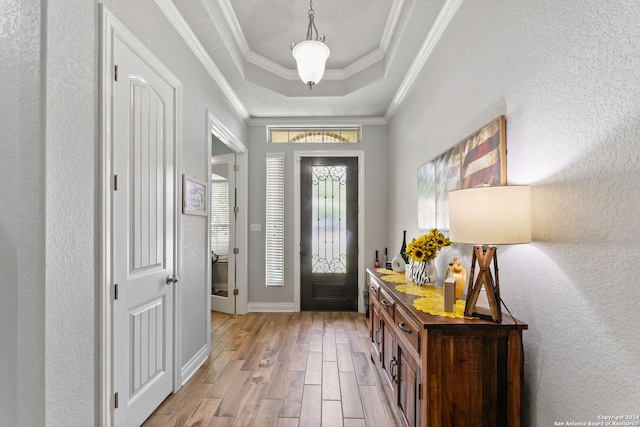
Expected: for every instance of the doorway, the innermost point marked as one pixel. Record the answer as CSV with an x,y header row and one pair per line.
x,y
223,227
227,240
356,281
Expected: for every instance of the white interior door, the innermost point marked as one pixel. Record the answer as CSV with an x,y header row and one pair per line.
x,y
143,236
223,220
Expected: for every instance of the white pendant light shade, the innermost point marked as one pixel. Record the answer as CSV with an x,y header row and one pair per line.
x,y
311,56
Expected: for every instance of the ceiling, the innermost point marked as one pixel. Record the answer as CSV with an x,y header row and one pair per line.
x,y
377,48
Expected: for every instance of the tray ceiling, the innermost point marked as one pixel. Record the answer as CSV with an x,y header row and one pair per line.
x,y
377,46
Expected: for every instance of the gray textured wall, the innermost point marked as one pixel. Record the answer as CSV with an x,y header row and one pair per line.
x,y
22,219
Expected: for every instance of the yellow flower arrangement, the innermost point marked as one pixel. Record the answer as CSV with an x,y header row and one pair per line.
x,y
426,247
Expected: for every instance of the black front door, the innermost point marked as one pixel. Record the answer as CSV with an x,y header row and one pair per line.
x,y
329,234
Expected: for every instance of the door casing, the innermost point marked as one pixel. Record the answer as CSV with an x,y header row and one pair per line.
x,y
297,155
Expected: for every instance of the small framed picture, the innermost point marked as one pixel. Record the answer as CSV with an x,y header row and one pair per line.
x,y
194,196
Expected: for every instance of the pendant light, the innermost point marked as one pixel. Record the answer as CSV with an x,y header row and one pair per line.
x,y
311,54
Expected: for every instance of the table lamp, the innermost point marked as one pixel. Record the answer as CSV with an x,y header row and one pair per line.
x,y
485,217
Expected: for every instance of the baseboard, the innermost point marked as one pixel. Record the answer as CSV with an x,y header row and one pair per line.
x,y
192,366
271,307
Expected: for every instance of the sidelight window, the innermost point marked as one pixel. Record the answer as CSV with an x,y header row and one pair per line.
x,y
274,225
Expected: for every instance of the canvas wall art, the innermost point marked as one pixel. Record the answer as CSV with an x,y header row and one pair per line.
x,y
479,159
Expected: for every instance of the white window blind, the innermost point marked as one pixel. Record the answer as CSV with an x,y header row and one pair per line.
x,y
274,226
219,215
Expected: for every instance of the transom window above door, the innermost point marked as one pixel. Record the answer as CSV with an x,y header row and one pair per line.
x,y
314,135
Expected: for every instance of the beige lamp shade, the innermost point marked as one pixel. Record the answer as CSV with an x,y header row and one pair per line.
x,y
490,215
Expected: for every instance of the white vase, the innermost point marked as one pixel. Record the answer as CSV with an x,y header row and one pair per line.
x,y
398,264
422,272
432,273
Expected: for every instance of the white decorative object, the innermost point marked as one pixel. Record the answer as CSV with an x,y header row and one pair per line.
x,y
432,273
398,264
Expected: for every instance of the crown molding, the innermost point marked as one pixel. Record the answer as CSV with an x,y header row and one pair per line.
x,y
234,26
392,22
442,21
221,19
317,121
175,18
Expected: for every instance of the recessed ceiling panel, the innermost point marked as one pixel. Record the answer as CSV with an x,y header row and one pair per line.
x,y
353,28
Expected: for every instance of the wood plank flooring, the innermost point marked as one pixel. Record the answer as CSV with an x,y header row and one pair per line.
x,y
283,370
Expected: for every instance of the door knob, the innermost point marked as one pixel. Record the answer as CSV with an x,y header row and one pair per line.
x,y
172,279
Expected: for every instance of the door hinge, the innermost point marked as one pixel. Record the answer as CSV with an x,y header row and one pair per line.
x,y
115,291
235,292
236,209
236,251
115,183
115,72
419,391
236,168
115,400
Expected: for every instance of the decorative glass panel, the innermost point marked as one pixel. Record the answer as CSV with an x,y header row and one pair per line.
x,y
329,241
338,135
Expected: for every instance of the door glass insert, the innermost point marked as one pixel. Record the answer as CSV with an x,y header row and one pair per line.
x,y
329,207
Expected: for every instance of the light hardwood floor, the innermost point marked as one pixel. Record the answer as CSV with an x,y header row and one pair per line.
x,y
282,369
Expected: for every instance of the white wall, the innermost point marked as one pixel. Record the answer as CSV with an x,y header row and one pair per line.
x,y
566,76
375,147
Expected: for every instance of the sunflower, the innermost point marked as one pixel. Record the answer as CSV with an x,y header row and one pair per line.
x,y
427,246
417,254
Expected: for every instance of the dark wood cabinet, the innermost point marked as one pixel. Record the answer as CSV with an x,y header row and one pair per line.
x,y
440,371
408,391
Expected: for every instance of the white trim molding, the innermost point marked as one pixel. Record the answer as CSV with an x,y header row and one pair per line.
x,y
442,21
195,363
177,20
317,121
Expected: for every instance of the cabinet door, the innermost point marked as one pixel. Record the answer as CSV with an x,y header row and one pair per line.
x,y
408,387
389,361
376,332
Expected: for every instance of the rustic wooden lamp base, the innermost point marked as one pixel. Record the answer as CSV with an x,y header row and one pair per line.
x,y
483,254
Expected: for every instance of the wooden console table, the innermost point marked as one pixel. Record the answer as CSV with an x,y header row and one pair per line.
x,y
441,371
